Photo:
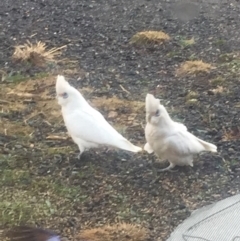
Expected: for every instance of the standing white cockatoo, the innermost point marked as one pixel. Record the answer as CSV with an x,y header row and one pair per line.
x,y
168,139
87,127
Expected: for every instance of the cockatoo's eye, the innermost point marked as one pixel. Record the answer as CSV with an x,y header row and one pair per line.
x,y
157,113
65,95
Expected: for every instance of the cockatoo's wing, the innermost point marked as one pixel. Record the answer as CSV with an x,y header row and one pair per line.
x,y
148,148
26,233
183,143
91,126
181,126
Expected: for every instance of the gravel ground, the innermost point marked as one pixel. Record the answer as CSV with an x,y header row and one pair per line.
x,y
97,35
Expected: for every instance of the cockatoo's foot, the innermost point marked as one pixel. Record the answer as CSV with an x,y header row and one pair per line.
x,y
107,149
169,169
81,150
79,156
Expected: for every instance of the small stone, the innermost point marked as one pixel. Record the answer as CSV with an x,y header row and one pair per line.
x,y
18,146
112,114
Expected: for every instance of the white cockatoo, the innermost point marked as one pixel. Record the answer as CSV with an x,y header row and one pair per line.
x,y
168,139
87,127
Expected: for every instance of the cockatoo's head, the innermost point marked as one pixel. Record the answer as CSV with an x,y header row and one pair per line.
x,y
154,110
65,92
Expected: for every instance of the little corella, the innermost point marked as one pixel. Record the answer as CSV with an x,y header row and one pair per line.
x,y
87,127
168,139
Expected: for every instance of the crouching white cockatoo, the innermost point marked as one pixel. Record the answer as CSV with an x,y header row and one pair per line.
x,y
168,139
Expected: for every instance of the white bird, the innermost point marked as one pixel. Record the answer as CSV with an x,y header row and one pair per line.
x,y
87,127
168,139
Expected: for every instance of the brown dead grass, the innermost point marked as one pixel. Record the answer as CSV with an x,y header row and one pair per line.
x,y
219,90
40,92
232,134
146,37
14,128
40,95
193,68
122,111
36,54
17,97
117,232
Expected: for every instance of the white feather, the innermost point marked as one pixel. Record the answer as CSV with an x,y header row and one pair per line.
x,y
171,140
87,127
148,148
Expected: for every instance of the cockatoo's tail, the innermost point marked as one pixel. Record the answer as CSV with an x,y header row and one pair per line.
x,y
208,146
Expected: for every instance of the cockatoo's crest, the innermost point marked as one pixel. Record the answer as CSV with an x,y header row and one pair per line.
x,y
152,104
62,85
67,94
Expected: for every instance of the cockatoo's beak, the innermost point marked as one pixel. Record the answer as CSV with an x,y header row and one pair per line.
x,y
149,118
150,115
59,95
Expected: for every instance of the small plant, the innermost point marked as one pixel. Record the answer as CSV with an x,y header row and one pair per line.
x,y
192,95
14,77
187,42
219,42
36,54
194,68
146,37
217,81
117,232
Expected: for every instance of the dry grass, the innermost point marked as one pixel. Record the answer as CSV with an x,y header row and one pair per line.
x,y
194,68
146,37
119,110
232,134
219,90
38,91
36,54
117,232
40,94
14,128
